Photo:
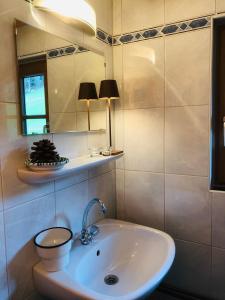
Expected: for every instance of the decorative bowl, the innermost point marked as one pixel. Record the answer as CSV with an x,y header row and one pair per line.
x,y
46,166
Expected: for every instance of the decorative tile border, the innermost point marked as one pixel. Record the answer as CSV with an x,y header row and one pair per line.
x,y
104,37
149,33
58,52
69,50
161,31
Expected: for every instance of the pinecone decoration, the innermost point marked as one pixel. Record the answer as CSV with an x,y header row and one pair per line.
x,y
44,152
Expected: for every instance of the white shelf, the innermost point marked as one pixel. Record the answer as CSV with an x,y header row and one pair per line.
x,y
74,165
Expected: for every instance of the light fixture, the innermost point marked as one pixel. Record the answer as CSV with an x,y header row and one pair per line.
x,y
77,12
109,91
87,92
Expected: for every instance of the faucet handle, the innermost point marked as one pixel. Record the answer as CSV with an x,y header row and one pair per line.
x,y
94,230
103,206
85,237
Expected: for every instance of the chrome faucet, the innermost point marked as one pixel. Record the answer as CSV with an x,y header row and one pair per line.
x,y
87,233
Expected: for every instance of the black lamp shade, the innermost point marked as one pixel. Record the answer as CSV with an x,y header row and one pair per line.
x,y
109,89
87,91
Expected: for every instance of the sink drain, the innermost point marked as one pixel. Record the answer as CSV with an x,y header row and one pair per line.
x,y
111,279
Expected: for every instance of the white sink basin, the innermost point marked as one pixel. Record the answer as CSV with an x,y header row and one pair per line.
x,y
138,256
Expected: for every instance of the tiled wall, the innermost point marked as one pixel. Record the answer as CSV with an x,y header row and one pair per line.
x,y
162,123
25,209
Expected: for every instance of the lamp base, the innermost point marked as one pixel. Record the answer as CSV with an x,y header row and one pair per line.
x,y
116,152
112,152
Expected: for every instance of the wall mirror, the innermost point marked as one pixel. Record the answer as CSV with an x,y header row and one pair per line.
x,y
50,70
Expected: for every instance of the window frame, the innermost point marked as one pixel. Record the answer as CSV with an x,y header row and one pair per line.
x,y
217,130
28,67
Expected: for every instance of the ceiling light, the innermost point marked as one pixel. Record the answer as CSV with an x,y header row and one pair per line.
x,y
77,12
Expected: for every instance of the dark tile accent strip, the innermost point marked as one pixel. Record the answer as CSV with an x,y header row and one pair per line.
x,y
162,31
183,26
69,50
198,23
149,33
126,38
59,52
104,37
170,29
101,35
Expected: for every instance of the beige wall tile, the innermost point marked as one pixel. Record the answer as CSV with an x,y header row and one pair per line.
x,y
97,140
71,145
140,126
187,208
187,68
70,206
117,17
119,136
57,27
218,220
100,170
118,74
24,222
6,6
144,198
220,5
141,14
61,84
103,187
120,199
187,140
3,274
89,67
14,149
191,269
218,274
14,190
31,40
76,178
8,66
176,10
144,74
82,121
103,11
53,41
23,11
98,120
65,122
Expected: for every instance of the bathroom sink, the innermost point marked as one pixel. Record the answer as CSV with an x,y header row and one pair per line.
x,y
125,261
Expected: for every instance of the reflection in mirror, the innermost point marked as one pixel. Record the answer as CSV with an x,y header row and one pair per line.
x,y
50,72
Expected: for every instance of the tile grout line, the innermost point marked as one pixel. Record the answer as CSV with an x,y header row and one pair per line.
x,y
123,120
4,230
211,254
162,107
162,173
211,194
164,123
193,242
